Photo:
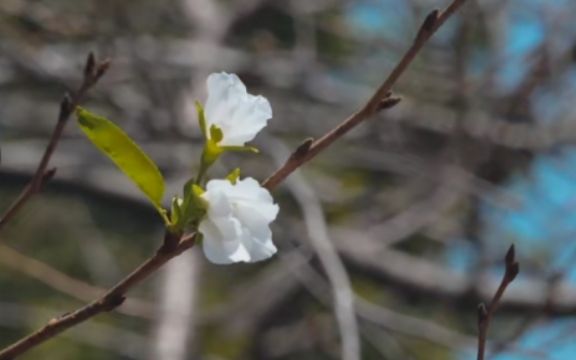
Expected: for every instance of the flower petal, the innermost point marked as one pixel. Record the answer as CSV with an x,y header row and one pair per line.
x,y
236,227
250,193
238,114
221,247
260,249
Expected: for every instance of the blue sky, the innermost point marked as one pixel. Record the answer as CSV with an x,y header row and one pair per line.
x,y
543,224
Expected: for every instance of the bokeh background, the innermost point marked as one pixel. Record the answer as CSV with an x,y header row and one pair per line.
x,y
418,205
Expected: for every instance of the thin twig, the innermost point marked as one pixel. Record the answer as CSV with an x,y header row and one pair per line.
x,y
115,296
93,71
485,314
430,25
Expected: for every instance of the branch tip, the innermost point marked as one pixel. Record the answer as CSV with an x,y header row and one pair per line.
x,y
510,255
512,271
89,66
428,25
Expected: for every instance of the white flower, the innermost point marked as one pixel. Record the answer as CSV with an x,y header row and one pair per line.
x,y
238,114
236,227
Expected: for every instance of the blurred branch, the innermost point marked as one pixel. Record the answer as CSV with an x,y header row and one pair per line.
x,y
409,273
341,287
65,284
488,127
382,317
125,343
178,295
309,150
451,185
93,71
109,301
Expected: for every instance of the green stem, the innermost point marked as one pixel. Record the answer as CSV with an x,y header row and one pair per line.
x,y
203,169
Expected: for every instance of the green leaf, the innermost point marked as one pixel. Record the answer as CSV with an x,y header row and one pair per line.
x,y
125,153
201,119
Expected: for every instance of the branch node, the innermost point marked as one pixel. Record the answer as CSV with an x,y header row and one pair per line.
x,y
65,107
48,175
170,243
112,302
303,148
388,102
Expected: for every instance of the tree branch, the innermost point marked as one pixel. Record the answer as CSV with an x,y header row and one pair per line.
x,y
63,283
115,296
485,314
107,302
93,71
309,149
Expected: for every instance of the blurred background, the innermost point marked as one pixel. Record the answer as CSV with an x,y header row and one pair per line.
x,y
408,217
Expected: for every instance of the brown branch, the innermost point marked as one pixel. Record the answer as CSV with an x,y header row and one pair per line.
x,y
302,155
65,284
172,248
93,71
485,314
107,302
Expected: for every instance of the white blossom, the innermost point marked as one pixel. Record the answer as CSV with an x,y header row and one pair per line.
x,y
236,227
238,114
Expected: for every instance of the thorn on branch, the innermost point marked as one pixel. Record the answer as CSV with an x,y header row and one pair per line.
x,y
428,26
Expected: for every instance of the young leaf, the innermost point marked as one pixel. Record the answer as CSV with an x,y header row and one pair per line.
x,y
233,176
201,118
125,153
216,134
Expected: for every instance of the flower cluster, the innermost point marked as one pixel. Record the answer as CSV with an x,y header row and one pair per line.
x,y
233,215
